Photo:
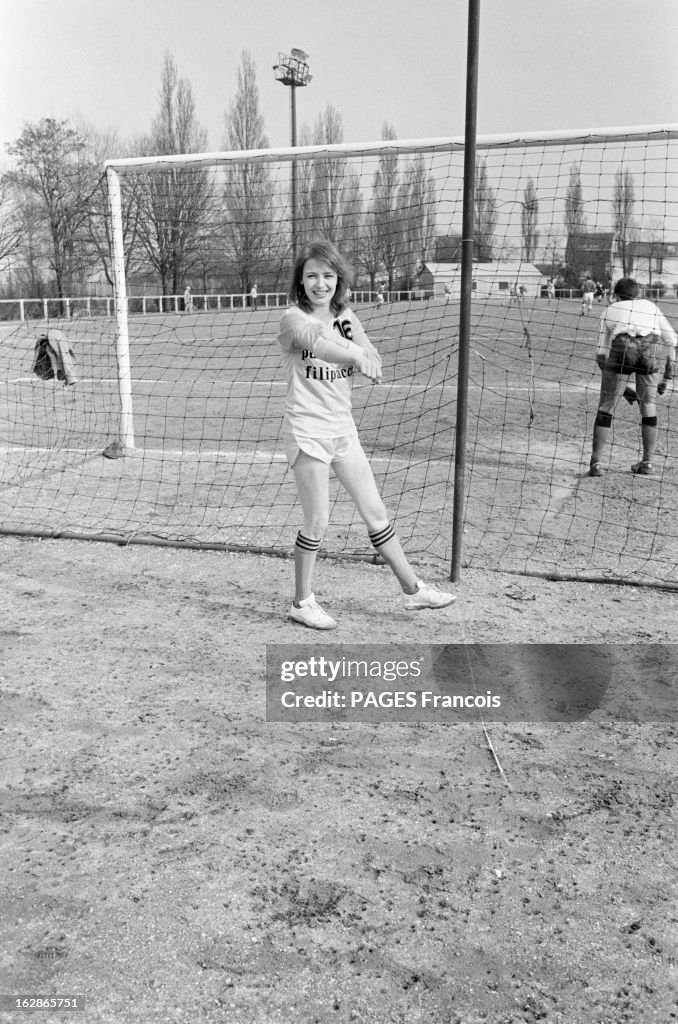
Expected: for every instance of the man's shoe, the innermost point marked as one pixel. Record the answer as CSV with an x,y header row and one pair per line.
x,y
595,469
642,468
427,597
309,613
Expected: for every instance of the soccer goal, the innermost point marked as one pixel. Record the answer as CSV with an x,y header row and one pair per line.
x,y
172,433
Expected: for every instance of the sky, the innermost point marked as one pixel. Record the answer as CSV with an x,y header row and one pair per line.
x,y
543,64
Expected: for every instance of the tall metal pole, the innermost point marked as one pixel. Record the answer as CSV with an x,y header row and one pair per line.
x,y
293,138
466,284
292,71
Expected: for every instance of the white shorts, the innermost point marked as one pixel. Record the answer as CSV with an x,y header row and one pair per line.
x,y
327,449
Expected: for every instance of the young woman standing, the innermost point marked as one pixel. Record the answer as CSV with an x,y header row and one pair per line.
x,y
324,345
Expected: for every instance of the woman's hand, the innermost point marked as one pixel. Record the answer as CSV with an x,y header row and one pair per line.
x,y
370,366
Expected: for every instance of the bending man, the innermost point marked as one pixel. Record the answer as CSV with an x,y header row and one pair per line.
x,y
634,337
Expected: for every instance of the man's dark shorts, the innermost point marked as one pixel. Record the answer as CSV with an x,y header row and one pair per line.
x,y
636,355
646,358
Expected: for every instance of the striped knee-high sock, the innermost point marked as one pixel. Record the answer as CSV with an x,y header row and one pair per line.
x,y
305,553
386,544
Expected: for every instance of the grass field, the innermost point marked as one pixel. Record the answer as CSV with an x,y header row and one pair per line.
x,y
208,468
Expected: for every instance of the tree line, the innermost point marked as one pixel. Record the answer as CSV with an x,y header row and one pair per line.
x,y
232,225
197,225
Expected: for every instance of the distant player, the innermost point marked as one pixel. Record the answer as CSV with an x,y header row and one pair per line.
x,y
634,337
587,298
254,297
550,290
188,300
380,295
324,345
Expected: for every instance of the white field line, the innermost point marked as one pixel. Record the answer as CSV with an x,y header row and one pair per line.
x,y
10,449
246,458
217,453
543,386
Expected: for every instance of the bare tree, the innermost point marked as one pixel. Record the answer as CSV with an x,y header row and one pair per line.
x,y
625,229
388,226
174,205
418,197
103,146
329,198
29,265
327,178
655,252
366,250
249,192
244,125
305,175
529,219
553,253
351,220
10,225
485,209
575,225
176,128
54,180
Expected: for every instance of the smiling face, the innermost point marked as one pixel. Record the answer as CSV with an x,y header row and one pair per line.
x,y
320,283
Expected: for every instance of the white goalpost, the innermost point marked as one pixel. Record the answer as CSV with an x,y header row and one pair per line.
x,y
120,292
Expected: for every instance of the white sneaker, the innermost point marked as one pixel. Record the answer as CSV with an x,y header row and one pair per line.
x,y
311,614
427,597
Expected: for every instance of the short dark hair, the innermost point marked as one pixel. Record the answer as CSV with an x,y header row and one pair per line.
x,y
626,288
325,251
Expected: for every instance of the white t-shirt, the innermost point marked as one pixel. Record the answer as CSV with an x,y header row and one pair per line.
x,y
637,318
318,400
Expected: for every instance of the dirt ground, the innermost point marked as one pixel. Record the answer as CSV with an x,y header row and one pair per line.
x,y
169,855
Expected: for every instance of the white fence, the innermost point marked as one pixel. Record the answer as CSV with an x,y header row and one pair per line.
x,y
93,306
146,305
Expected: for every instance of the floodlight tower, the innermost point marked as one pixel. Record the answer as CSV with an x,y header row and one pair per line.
x,y
293,71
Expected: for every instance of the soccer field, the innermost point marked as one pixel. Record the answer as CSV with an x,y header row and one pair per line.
x,y
207,466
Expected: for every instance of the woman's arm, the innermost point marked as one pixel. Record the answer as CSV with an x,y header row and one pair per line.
x,y
305,333
360,338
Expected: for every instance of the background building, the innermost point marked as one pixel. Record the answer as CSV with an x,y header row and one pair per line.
x,y
494,280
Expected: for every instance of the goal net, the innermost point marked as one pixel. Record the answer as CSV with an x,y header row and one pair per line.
x,y
172,433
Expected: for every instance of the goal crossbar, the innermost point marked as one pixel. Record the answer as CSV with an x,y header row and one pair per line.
x,y
131,165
